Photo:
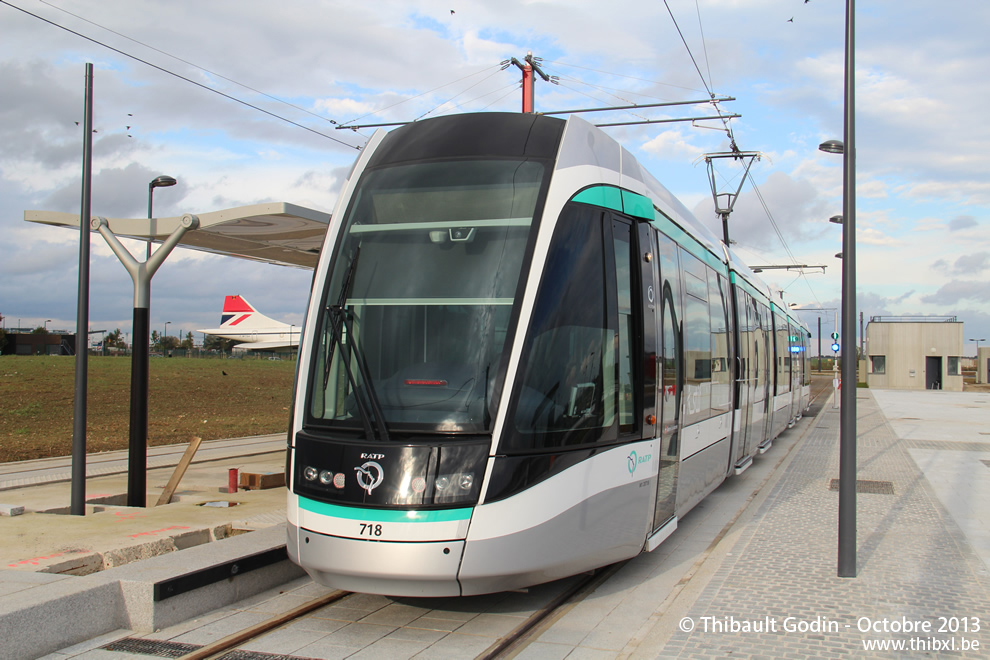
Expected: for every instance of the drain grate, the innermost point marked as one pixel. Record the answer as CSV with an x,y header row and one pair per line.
x,y
166,649
868,487
155,647
257,655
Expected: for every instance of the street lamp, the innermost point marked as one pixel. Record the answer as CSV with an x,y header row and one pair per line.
x,y
162,181
47,321
977,359
836,219
164,337
847,424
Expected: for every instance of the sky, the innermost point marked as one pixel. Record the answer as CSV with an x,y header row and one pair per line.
x,y
240,101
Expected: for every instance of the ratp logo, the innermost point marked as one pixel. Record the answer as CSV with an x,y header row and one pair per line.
x,y
634,460
370,476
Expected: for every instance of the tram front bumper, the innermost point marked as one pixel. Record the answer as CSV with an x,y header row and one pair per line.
x,y
390,568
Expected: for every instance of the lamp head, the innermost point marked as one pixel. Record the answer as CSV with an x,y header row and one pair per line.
x,y
832,147
163,181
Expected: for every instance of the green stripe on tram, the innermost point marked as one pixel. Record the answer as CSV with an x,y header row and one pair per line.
x,y
640,206
608,197
383,515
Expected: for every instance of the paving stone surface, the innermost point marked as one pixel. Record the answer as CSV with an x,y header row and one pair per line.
x,y
914,564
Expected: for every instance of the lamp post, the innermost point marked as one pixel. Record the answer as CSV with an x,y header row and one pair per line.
x,y
847,425
977,359
47,321
165,338
162,181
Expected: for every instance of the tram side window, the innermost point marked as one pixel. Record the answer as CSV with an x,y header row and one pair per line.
x,y
672,376
623,275
763,346
697,339
567,393
721,395
783,357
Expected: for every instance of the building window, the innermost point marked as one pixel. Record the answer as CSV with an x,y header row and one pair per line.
x,y
879,364
954,366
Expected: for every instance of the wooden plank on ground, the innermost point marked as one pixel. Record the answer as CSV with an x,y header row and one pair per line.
x,y
180,470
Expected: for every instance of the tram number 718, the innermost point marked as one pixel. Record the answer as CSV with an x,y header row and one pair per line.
x,y
369,529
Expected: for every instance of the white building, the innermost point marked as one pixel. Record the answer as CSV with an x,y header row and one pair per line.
x,y
914,353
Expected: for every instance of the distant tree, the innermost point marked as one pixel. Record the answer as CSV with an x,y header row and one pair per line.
x,y
214,343
156,339
115,339
187,343
40,330
169,342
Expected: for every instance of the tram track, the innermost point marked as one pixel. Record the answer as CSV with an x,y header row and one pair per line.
x,y
506,646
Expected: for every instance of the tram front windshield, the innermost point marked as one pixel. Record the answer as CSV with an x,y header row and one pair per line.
x,y
422,287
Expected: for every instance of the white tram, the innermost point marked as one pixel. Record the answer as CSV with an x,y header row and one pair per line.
x,y
523,359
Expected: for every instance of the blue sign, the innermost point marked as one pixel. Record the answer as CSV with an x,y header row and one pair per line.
x,y
835,348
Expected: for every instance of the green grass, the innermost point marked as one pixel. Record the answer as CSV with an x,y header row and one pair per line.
x,y
187,397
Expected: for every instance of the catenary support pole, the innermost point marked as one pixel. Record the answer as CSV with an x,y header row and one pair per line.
x,y
77,499
141,273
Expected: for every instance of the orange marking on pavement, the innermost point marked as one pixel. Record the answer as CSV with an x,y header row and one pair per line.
x,y
158,531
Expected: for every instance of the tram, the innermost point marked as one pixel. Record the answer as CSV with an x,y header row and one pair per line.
x,y
523,359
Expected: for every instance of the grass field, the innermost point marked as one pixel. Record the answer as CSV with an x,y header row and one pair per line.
x,y
187,397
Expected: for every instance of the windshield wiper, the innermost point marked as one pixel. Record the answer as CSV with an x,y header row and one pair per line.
x,y
338,321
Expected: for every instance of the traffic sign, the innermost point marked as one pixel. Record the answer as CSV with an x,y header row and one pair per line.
x,y
835,347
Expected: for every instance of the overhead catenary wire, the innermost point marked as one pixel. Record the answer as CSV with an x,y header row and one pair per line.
x,y
708,87
451,99
416,96
623,75
180,76
192,64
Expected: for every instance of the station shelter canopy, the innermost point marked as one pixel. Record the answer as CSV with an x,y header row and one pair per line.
x,y
276,232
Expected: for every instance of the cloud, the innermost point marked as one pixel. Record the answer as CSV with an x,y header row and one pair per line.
x,y
957,291
962,222
967,264
673,145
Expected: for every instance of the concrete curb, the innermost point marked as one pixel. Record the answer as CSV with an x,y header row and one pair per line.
x,y
58,611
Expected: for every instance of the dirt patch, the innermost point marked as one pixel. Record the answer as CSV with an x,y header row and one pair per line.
x,y
209,398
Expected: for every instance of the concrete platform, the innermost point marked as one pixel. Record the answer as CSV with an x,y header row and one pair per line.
x,y
65,579
751,572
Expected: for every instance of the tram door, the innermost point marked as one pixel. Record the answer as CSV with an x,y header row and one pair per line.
x,y
670,378
635,286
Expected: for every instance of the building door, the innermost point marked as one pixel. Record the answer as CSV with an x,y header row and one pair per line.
x,y
933,372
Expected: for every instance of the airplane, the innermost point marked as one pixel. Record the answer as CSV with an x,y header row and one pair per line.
x,y
240,321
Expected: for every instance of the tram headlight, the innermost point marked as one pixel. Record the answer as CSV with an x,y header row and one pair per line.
x,y
326,477
310,473
442,483
465,481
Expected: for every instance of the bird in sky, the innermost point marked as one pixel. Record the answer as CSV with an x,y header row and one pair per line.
x,y
790,20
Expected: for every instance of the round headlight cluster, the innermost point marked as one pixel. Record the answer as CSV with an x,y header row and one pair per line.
x,y
464,481
325,477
